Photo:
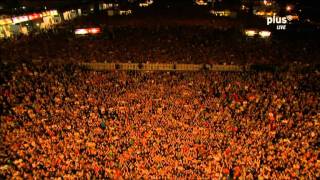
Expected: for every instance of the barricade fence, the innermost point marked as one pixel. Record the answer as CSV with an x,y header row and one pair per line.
x,y
198,67
159,67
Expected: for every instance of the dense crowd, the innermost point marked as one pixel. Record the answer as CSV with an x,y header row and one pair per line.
x,y
169,44
65,121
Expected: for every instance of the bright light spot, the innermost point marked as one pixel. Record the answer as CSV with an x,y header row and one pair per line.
x,y
87,31
201,3
267,3
289,8
81,31
265,34
143,4
128,12
250,33
34,16
221,13
264,13
94,30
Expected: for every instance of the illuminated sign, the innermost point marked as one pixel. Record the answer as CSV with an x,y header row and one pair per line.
x,y
50,13
34,16
20,19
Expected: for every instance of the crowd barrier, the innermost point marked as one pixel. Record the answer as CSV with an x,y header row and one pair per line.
x,y
194,67
159,67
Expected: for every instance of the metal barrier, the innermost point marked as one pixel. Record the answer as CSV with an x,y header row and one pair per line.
x,y
227,68
159,67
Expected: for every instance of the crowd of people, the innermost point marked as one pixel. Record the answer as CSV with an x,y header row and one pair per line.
x,y
60,120
65,121
182,43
